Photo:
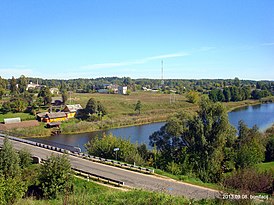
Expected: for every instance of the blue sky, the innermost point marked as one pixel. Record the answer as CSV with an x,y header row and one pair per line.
x,y
98,38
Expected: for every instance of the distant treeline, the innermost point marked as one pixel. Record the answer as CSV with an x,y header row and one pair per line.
x,y
178,85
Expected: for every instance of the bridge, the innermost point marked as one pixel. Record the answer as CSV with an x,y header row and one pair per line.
x,y
121,176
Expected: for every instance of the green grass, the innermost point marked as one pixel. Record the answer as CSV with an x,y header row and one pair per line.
x,y
267,166
91,193
23,116
188,179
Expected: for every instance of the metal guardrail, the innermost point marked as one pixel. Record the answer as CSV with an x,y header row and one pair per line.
x,y
82,155
98,177
90,175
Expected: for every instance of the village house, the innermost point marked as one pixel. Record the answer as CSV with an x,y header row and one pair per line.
x,y
55,117
54,91
56,100
32,85
122,90
71,110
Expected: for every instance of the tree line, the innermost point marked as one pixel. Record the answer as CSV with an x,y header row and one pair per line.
x,y
20,178
234,94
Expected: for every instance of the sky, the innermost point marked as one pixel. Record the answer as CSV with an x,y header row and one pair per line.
x,y
195,39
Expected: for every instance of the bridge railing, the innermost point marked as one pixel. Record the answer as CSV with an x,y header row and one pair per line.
x,y
75,152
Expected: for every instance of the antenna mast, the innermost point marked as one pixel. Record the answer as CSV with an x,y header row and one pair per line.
x,y
162,81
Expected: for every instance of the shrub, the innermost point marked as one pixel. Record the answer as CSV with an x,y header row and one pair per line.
x,y
250,180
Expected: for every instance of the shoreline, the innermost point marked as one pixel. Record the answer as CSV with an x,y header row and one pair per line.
x,y
104,125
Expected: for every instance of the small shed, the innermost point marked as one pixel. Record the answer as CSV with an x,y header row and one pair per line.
x,y
12,120
40,116
53,124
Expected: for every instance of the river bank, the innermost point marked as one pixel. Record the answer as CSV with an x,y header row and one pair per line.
x,y
74,126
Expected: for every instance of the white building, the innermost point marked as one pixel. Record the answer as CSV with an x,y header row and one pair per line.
x,y
122,90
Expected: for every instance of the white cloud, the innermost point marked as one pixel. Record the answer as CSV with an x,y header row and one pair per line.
x,y
16,72
134,62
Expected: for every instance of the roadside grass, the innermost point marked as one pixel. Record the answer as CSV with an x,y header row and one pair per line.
x,y
91,193
189,179
23,116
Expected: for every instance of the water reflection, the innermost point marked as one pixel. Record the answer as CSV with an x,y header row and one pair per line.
x,y
261,115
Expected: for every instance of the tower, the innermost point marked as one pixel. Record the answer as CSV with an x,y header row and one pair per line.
x,y
162,79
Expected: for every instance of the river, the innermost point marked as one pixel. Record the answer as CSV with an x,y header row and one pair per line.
x,y
261,115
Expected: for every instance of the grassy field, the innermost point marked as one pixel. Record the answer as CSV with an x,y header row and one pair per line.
x,y
121,105
266,166
23,116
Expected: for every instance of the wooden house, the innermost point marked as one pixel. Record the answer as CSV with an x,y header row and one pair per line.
x,y
55,117
71,110
56,100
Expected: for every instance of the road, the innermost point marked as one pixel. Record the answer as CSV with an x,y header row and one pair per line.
x,y
130,178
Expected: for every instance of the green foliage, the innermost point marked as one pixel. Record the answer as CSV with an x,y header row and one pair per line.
x,y
11,185
45,94
13,87
250,180
22,84
25,158
95,107
55,176
258,94
249,146
64,96
269,153
200,144
11,190
138,106
9,160
193,97
91,106
174,168
104,147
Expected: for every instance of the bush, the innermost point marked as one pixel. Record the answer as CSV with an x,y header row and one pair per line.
x,y
250,180
104,147
55,176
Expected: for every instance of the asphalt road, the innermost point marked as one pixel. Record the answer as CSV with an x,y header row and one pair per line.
x,y
130,178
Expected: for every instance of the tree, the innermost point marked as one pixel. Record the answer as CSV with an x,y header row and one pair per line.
x,y
227,94
193,96
206,138
101,110
9,160
25,158
91,106
18,105
45,94
269,152
2,92
22,84
55,176
103,147
13,86
138,107
249,146
237,82
64,96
